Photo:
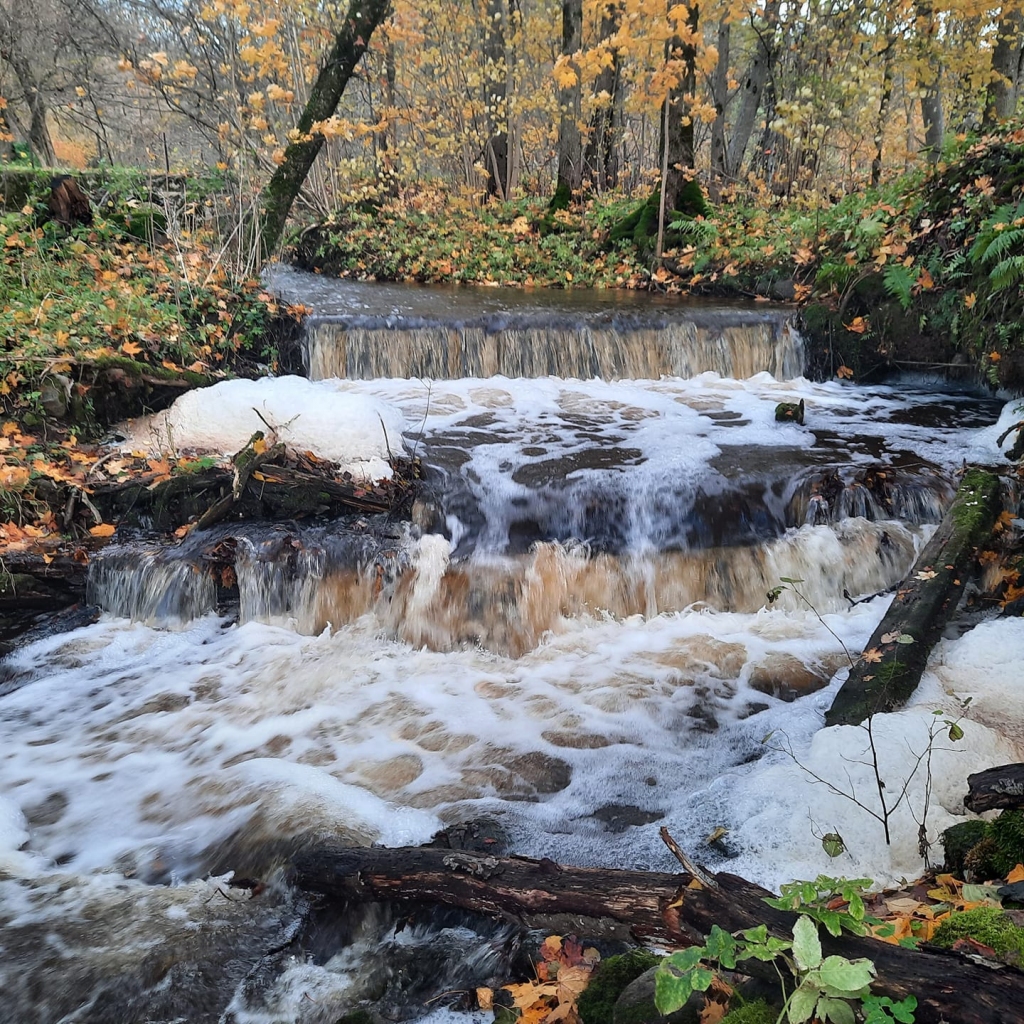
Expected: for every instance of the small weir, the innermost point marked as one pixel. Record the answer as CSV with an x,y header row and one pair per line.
x,y
571,638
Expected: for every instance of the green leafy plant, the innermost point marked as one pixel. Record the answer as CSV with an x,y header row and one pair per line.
x,y
836,903
882,1010
826,985
828,989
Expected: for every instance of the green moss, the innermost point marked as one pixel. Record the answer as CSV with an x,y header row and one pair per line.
x,y
758,1012
959,840
561,199
972,509
1007,832
356,1017
987,925
611,976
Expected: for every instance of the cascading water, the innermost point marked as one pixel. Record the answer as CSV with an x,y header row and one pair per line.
x,y
573,637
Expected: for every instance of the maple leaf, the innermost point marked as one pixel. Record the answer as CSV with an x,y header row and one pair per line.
x,y
925,574
844,373
1016,875
858,325
872,655
103,530
130,348
970,300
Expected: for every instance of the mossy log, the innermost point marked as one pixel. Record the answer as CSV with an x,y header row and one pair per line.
x,y
891,666
669,910
1002,786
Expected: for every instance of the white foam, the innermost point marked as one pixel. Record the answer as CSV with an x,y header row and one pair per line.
x,y
357,431
781,810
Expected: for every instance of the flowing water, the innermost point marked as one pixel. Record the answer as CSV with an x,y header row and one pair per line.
x,y
572,638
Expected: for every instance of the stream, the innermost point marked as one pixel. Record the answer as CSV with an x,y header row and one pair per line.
x,y
572,640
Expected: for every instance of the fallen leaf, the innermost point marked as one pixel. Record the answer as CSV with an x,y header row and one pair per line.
x,y
872,655
103,530
926,574
485,998
1016,875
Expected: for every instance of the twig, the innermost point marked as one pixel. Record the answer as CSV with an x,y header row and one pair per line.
x,y
699,873
1008,431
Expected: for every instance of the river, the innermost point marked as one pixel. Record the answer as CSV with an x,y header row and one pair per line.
x,y
573,641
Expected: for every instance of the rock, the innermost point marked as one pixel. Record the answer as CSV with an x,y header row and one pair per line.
x,y
619,817
786,677
636,1005
55,395
790,412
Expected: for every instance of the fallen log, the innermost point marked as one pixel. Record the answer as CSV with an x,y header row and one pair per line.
x,y
890,667
661,909
999,787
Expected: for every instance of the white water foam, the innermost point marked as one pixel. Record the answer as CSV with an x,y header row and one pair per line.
x,y
357,431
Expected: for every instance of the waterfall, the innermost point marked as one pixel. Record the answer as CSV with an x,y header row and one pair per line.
x,y
683,348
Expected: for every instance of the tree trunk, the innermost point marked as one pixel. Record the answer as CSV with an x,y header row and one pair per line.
x,y
570,141
922,606
677,130
496,150
993,788
351,42
930,83
720,170
601,159
883,106
752,87
660,909
39,139
1004,89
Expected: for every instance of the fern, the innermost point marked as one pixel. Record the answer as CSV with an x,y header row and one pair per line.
x,y
1000,245
695,230
898,281
1009,272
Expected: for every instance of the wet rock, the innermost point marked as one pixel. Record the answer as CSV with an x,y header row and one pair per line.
x,y
619,817
786,677
480,835
119,952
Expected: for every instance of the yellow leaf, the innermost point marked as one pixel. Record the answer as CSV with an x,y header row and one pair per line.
x,y
129,348
485,998
1016,875
872,655
103,530
970,300
858,325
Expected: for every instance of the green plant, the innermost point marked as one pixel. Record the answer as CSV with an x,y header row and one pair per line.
x,y
818,900
882,1010
824,988
693,969
825,985
999,247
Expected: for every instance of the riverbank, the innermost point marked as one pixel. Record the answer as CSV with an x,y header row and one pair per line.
x,y
919,274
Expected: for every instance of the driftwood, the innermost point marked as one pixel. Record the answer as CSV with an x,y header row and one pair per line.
x,y
923,604
1000,787
658,909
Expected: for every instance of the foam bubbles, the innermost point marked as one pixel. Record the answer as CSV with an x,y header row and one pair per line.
x,y
357,431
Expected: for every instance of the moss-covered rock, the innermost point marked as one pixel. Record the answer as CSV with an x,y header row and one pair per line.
x,y
597,1003
987,925
982,849
959,840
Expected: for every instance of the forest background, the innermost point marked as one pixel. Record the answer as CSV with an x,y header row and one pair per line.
x,y
852,151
